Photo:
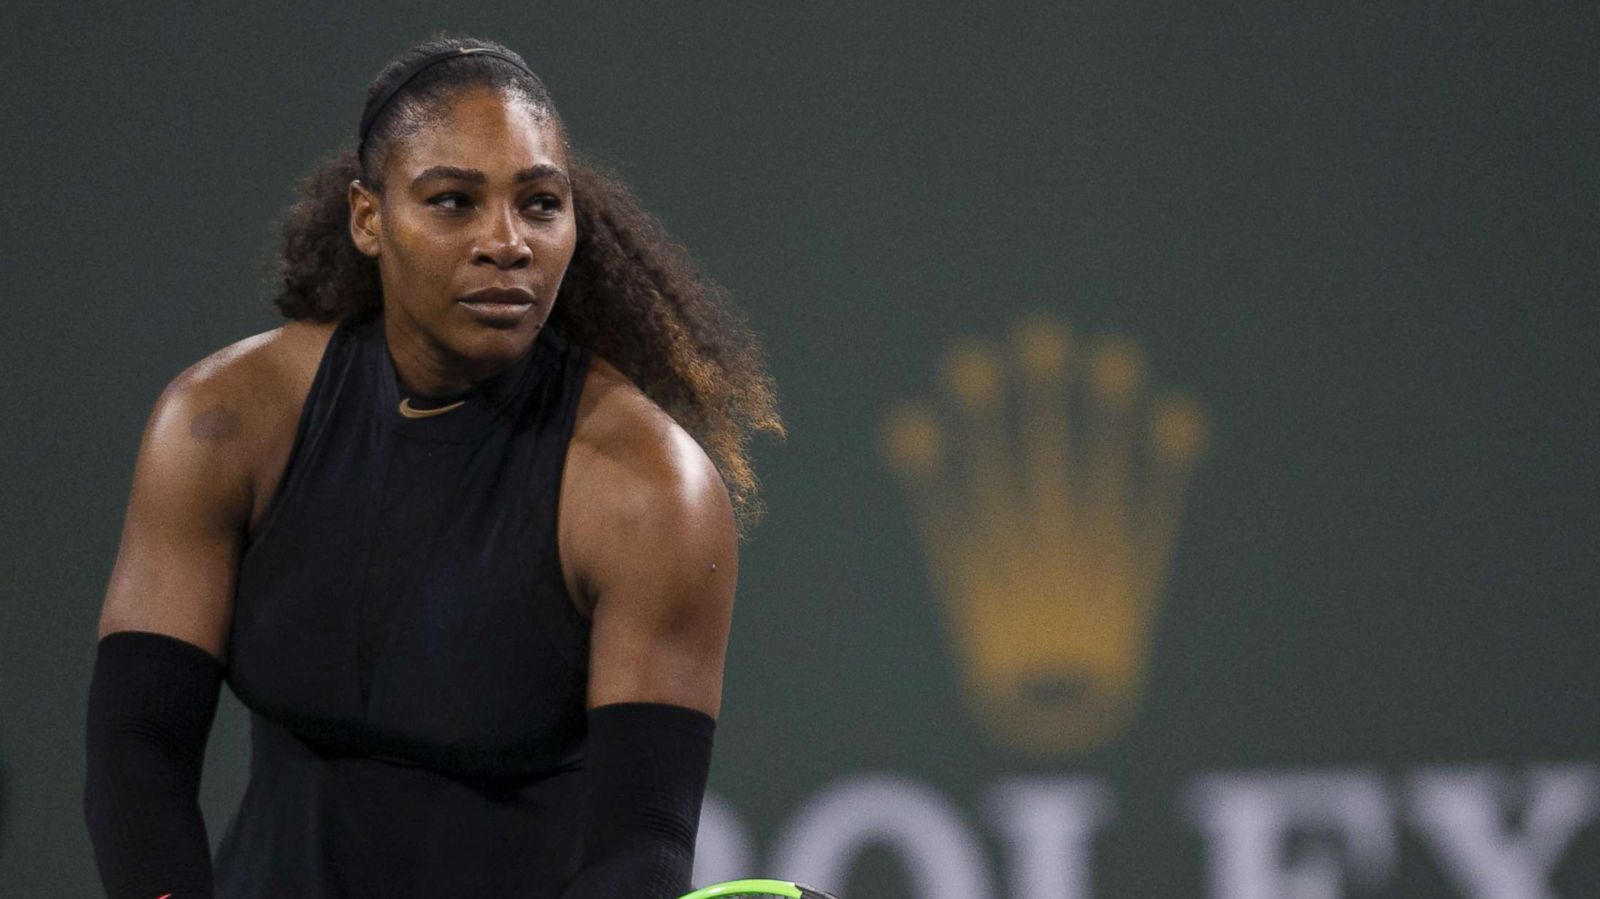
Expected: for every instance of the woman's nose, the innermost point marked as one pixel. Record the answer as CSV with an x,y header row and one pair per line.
x,y
501,244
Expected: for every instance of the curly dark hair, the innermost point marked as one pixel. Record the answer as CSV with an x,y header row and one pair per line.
x,y
631,294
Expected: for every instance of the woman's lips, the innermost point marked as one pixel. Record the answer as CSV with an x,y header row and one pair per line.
x,y
498,306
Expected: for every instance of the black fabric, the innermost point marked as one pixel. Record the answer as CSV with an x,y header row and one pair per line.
x,y
645,770
402,635
151,701
416,503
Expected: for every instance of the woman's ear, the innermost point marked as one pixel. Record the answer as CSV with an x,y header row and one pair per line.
x,y
364,218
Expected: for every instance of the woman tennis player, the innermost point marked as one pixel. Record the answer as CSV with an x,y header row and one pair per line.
x,y
462,534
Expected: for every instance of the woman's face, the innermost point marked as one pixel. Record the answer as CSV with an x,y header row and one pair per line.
x,y
472,232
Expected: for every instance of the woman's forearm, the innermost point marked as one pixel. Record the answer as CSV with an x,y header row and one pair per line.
x,y
151,703
645,771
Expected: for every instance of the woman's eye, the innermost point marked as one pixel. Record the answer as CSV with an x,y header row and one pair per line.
x,y
544,203
448,201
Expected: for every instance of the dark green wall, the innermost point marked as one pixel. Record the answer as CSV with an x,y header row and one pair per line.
x,y
1362,236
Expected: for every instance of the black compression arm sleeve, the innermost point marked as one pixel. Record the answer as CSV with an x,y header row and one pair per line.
x,y
645,770
150,708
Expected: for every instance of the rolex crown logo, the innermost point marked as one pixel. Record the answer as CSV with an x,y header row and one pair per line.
x,y
1047,485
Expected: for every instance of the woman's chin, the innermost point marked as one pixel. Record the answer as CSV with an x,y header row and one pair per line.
x,y
497,348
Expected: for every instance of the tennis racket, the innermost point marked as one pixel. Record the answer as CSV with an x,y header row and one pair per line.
x,y
733,889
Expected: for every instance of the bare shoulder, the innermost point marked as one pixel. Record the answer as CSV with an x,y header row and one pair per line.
x,y
266,367
234,413
636,483
633,453
215,430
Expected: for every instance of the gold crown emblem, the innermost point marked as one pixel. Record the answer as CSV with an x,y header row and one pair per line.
x,y
1047,493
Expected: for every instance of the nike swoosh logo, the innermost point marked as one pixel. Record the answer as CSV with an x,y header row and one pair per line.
x,y
409,412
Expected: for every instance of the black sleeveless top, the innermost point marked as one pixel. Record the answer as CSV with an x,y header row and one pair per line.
x,y
403,637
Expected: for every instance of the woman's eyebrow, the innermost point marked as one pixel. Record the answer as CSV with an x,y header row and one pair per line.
x,y
450,172
542,170
473,176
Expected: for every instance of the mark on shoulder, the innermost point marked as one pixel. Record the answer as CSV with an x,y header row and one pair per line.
x,y
245,387
214,424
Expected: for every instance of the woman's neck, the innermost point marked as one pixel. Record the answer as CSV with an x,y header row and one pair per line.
x,y
426,369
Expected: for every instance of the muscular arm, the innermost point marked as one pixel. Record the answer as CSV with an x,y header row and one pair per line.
x,y
663,583
186,517
163,630
654,551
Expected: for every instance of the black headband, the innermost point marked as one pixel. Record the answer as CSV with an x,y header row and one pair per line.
x,y
375,108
